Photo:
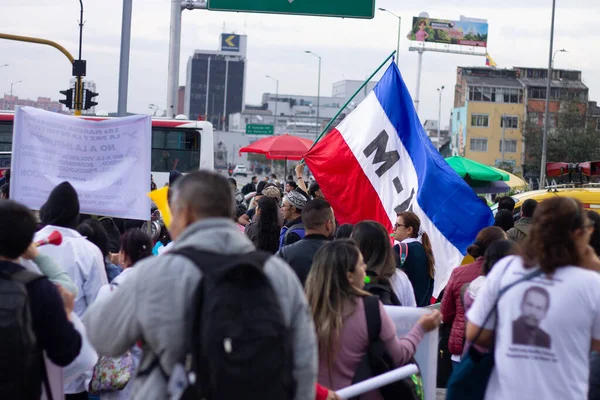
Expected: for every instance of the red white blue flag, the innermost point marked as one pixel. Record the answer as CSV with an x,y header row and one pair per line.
x,y
379,162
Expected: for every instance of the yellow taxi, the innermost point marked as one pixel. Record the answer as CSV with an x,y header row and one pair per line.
x,y
588,195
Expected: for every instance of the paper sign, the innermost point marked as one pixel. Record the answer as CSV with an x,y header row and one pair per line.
x,y
405,318
108,162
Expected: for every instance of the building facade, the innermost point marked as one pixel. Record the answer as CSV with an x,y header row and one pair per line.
x,y
492,104
297,114
45,103
215,82
487,116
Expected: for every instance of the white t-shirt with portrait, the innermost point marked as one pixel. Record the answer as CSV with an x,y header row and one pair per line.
x,y
543,333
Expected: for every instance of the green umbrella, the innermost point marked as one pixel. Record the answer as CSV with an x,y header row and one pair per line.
x,y
473,171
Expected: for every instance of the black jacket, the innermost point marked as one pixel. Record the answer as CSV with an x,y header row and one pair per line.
x,y
415,267
54,333
300,254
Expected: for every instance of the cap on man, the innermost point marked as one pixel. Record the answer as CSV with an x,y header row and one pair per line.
x,y
293,230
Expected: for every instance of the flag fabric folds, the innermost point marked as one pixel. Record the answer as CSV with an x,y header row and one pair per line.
x,y
379,161
489,61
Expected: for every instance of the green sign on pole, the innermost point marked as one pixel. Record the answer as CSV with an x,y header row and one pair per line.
x,y
259,129
323,8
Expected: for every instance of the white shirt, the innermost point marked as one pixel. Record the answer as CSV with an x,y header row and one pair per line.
x,y
403,289
84,264
543,335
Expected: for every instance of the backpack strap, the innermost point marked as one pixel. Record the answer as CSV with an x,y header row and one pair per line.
x,y
206,260
292,228
371,304
25,276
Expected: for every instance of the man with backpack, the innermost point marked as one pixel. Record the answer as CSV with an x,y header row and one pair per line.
x,y
35,312
216,319
519,232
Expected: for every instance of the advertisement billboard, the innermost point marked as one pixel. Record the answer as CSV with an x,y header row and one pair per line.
x,y
464,33
230,42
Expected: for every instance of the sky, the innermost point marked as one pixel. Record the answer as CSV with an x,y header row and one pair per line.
x,y
519,32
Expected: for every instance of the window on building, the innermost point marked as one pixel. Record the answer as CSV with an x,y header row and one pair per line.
x,y
6,131
510,146
478,144
537,93
510,121
475,93
533,118
598,124
480,120
495,95
486,94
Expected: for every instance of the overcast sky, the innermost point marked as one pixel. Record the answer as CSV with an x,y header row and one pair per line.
x,y
351,49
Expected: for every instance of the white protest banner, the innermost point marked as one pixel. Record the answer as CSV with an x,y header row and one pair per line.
x,y
426,356
108,162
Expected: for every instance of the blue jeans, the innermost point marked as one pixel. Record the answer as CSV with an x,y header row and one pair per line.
x,y
594,393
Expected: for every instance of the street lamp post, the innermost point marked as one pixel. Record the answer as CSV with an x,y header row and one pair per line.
x,y
153,107
11,87
318,90
554,56
440,90
547,106
276,101
399,29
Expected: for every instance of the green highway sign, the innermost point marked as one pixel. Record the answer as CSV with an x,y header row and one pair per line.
x,y
323,8
259,129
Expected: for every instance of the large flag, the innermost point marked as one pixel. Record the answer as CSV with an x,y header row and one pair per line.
x,y
379,162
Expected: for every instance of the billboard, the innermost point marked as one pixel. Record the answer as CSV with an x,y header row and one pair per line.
x,y
230,42
465,33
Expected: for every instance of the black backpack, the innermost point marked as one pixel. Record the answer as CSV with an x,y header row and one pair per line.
x,y
239,346
382,288
377,361
22,365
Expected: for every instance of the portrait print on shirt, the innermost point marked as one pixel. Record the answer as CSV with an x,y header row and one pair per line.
x,y
534,308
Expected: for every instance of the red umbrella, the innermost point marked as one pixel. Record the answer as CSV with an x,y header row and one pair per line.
x,y
284,147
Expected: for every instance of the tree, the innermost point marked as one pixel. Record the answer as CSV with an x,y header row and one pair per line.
x,y
571,141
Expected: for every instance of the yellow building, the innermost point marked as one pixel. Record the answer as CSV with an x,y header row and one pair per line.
x,y
488,104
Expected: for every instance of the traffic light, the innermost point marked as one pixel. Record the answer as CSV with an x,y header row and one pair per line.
x,y
68,101
88,101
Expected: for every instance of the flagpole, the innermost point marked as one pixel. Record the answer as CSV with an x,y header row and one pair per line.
x,y
350,99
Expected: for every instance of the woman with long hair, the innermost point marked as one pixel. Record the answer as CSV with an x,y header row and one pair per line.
x,y
388,282
416,255
336,298
264,232
549,310
452,306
